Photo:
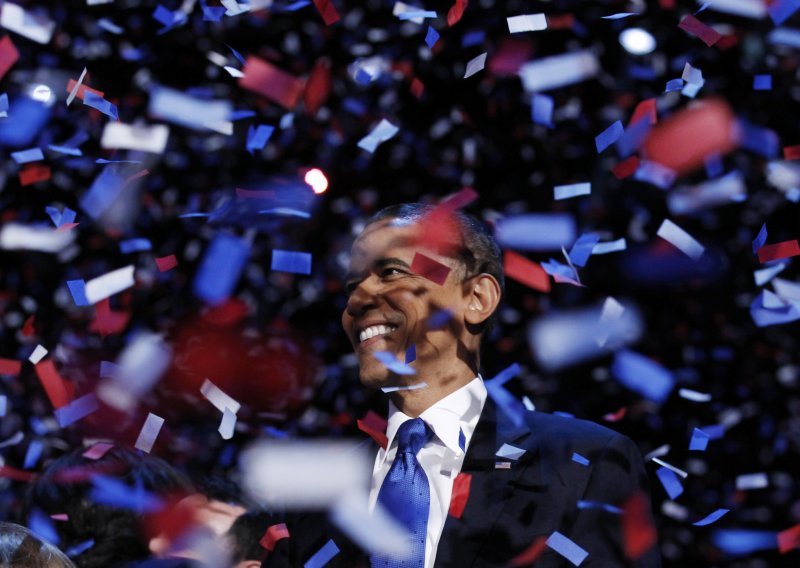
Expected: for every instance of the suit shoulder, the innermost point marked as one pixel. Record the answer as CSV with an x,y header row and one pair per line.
x,y
572,430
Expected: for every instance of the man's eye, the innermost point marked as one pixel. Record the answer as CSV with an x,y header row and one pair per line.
x,y
391,272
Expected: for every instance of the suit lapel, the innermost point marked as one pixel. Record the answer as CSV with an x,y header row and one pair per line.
x,y
462,538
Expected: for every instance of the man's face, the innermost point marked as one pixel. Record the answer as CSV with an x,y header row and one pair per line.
x,y
389,305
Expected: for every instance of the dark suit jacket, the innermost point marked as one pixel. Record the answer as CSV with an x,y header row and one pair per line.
x,y
508,509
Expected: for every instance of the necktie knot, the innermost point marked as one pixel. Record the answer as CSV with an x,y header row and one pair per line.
x,y
412,435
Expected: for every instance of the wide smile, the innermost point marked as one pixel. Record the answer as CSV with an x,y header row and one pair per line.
x,y
374,333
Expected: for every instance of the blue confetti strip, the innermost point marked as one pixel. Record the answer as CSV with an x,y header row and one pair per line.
x,y
642,375
240,114
619,16
431,37
472,38
391,363
633,137
220,268
712,518
135,245
462,440
512,407
99,103
764,316
65,150
108,369
699,441
567,548
4,104
33,453
79,548
105,189
759,140
30,155
77,409
322,556
439,319
111,491
760,239
411,354
288,261
781,10
597,505
738,542
257,137
713,164
608,136
669,479
542,109
41,525
674,85
60,218
582,249
577,458
762,83
414,14
78,290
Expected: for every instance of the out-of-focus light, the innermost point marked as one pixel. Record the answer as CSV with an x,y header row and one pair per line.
x,y
637,41
317,180
41,93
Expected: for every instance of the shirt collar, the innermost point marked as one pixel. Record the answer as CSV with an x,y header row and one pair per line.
x,y
457,412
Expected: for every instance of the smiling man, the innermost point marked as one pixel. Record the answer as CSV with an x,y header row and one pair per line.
x,y
472,484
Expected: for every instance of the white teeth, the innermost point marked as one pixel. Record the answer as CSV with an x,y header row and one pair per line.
x,y
374,330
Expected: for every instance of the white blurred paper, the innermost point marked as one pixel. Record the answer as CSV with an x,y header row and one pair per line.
x,y
16,236
376,532
680,239
108,284
185,110
571,337
146,358
526,23
304,474
218,397
121,136
36,28
558,70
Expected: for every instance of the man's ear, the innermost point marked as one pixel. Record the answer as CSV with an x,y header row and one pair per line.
x,y
483,296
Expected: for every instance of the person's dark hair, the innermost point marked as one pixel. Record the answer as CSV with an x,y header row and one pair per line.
x,y
20,548
245,535
478,250
65,487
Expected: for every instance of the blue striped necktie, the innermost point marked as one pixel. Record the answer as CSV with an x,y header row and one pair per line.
x,y
406,494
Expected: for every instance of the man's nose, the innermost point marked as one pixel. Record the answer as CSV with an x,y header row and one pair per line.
x,y
365,296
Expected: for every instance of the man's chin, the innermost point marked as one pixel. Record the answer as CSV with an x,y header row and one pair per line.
x,y
376,377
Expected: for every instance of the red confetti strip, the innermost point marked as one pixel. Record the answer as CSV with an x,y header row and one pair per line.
x,y
530,554
318,86
560,21
791,152
266,79
272,535
374,426
229,313
166,263
616,416
789,539
417,88
456,12
27,327
10,367
778,250
53,383
66,227
704,32
16,474
97,450
667,4
526,271
135,176
429,268
82,89
34,174
8,55
638,532
328,11
60,517
107,321
645,109
458,500
686,139
626,168
460,199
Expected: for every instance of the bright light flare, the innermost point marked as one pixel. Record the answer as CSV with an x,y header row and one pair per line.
x,y
637,41
317,180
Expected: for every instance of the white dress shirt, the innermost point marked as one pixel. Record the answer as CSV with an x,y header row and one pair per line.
x,y
441,458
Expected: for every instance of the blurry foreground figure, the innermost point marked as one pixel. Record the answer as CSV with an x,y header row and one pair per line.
x,y
19,548
473,479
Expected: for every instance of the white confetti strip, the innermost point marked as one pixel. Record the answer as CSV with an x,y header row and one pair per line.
x,y
751,481
558,70
680,239
34,27
527,23
228,424
121,136
689,394
108,284
380,134
572,190
74,92
218,397
149,433
38,354
475,64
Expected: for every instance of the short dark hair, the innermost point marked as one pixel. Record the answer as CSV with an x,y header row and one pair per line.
x,y
478,250
245,535
65,486
20,547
